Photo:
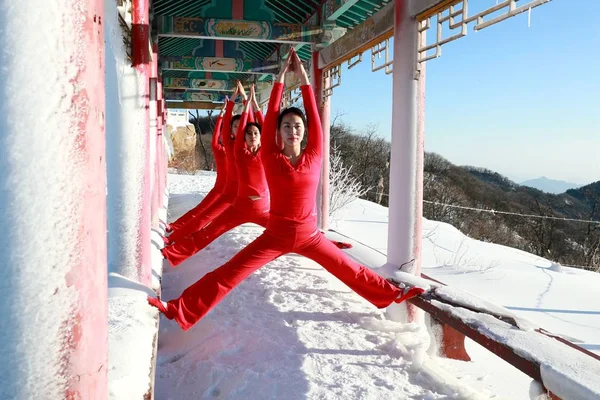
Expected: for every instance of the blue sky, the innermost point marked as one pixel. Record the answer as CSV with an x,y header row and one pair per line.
x,y
522,101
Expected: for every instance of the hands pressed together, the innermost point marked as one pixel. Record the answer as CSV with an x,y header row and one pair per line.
x,y
294,65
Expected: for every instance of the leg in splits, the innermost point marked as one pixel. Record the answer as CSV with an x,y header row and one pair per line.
x,y
360,279
200,221
198,210
229,219
197,300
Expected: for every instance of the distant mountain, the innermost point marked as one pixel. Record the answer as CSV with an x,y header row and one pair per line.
x,y
550,185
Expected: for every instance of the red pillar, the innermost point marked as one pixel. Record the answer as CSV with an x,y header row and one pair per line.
x,y
140,36
154,135
54,333
325,115
406,164
162,155
87,347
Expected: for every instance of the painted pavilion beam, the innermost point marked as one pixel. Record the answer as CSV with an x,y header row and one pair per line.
x,y
194,105
230,29
333,33
333,9
217,85
194,95
217,64
373,30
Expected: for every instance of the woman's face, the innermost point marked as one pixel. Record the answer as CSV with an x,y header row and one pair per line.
x,y
252,136
234,127
291,130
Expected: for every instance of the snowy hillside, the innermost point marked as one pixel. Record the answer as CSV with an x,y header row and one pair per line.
x,y
561,299
293,331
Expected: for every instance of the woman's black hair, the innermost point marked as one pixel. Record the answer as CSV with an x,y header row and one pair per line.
x,y
249,124
295,111
235,118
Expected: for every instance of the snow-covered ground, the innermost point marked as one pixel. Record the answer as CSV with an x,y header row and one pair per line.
x,y
293,331
562,300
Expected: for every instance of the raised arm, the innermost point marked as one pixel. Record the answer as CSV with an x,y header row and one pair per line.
x,y
217,132
245,99
268,136
315,132
249,110
258,116
227,121
240,140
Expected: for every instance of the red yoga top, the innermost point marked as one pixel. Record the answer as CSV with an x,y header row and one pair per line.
x,y
251,174
293,188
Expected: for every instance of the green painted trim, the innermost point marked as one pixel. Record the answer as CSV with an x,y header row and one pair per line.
x,y
332,9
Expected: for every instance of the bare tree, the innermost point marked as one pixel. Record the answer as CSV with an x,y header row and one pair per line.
x,y
200,148
542,231
591,244
440,197
435,164
343,186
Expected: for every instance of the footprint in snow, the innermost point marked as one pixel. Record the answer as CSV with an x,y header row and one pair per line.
x,y
278,299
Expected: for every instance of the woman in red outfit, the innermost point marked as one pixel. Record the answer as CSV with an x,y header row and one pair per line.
x,y
251,203
219,154
292,175
229,192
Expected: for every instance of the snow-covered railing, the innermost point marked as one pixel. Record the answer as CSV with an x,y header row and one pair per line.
x,y
565,370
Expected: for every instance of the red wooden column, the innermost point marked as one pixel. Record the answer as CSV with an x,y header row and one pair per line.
x,y
154,166
162,154
406,164
140,36
54,329
325,114
87,346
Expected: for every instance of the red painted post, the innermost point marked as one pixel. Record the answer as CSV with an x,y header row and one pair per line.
x,y
54,334
154,135
140,37
87,347
325,114
452,342
406,174
162,158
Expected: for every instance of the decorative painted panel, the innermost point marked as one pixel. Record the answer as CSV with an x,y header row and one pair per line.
x,y
238,29
216,64
194,96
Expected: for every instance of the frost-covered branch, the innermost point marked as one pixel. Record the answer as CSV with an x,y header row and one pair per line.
x,y
343,186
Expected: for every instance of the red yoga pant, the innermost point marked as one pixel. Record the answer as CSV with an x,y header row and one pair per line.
x,y
200,221
199,209
202,296
242,210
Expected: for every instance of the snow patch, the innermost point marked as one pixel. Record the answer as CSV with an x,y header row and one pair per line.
x,y
461,298
556,267
132,326
565,383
